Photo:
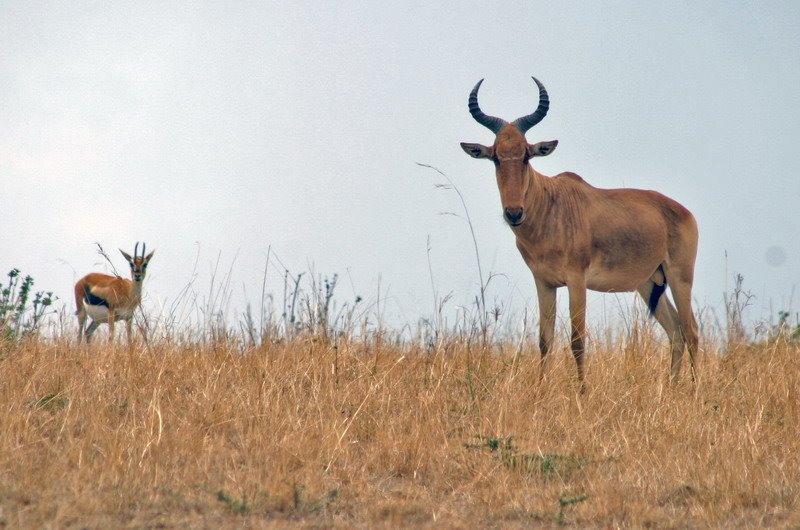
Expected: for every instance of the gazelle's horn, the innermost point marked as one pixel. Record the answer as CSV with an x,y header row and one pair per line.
x,y
144,247
526,122
136,250
492,123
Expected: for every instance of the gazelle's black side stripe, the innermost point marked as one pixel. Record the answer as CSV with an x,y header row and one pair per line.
x,y
93,299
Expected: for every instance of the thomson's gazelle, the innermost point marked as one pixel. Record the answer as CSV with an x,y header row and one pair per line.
x,y
108,298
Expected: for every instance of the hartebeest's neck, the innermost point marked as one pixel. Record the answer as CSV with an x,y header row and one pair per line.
x,y
536,199
554,211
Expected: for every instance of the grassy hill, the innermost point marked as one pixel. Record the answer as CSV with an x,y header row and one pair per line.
x,y
306,432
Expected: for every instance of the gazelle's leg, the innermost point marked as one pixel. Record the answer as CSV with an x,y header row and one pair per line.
x,y
90,330
81,323
110,326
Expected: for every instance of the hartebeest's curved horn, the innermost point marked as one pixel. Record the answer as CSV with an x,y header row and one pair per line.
x,y
526,122
490,122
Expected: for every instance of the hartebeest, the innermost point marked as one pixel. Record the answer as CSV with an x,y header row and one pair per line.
x,y
109,298
575,235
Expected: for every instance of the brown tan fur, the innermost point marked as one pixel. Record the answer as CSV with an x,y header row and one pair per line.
x,y
574,235
118,297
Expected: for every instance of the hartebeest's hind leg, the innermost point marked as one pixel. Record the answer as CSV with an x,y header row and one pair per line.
x,y
666,315
679,278
547,321
682,294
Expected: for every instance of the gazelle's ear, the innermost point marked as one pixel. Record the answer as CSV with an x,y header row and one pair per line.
x,y
147,258
542,148
127,256
477,150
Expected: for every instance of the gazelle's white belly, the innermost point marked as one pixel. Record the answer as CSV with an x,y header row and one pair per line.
x,y
99,313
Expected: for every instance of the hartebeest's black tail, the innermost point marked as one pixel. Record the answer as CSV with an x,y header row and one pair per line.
x,y
656,293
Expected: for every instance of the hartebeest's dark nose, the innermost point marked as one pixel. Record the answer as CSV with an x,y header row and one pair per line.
x,y
513,215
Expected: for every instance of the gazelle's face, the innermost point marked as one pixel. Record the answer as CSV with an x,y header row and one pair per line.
x,y
510,154
138,264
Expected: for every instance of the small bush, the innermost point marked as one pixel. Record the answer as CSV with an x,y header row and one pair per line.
x,y
21,310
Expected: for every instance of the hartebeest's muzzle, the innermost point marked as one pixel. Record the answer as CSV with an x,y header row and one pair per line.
x,y
514,216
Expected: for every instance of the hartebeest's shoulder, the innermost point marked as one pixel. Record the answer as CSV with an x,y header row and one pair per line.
x,y
568,175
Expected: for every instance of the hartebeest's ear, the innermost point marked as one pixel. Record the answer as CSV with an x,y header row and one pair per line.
x,y
477,150
542,148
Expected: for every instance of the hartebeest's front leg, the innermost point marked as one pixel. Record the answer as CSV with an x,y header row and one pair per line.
x,y
577,315
547,320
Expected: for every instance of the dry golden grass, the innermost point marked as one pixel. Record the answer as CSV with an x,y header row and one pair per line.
x,y
302,434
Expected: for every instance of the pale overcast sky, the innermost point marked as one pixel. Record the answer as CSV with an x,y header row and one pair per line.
x,y
233,126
